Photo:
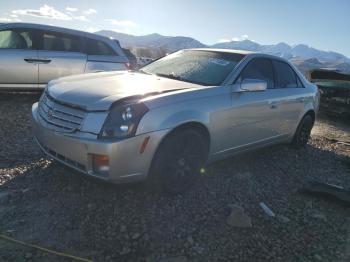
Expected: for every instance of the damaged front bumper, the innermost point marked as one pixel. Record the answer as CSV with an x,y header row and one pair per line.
x,y
77,150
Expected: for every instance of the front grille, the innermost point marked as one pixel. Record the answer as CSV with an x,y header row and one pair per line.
x,y
59,116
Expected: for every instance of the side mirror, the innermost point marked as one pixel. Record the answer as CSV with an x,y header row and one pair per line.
x,y
253,85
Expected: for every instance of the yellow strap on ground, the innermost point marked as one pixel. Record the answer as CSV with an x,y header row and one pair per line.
x,y
44,249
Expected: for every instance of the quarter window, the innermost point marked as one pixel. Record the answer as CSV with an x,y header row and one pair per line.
x,y
285,76
300,84
259,68
95,47
16,39
52,41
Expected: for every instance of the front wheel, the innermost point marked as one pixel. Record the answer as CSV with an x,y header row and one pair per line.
x,y
302,135
178,161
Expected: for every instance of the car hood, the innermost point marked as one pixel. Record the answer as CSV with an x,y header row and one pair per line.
x,y
98,91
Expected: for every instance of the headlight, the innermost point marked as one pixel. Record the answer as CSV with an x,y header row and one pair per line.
x,y
122,120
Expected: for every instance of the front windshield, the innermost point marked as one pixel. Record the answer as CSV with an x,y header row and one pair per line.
x,y
195,66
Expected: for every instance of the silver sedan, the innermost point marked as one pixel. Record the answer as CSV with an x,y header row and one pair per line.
x,y
166,121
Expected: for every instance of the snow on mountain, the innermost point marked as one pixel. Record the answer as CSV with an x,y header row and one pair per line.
x,y
286,51
172,43
306,52
178,42
280,49
304,56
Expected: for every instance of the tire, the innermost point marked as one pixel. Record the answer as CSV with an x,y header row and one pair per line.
x,y
178,161
302,135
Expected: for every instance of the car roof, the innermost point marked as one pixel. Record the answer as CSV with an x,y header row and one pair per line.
x,y
52,28
222,50
242,52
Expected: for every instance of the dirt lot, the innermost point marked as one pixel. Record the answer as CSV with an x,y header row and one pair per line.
x,y
45,204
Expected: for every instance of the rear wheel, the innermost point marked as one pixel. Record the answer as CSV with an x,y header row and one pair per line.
x,y
178,161
303,132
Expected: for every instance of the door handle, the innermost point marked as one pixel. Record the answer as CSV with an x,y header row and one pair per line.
x,y
37,60
44,60
30,60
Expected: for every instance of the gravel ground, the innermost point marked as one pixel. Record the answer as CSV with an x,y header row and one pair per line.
x,y
43,203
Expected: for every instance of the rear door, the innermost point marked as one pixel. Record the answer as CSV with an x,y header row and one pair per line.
x,y
18,67
101,57
292,95
59,55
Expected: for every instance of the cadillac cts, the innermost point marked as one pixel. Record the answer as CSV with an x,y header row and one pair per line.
x,y
166,121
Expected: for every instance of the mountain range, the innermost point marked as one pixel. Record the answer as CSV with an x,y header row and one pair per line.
x,y
303,56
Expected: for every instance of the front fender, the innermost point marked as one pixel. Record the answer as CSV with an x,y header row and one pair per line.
x,y
205,106
169,118
184,116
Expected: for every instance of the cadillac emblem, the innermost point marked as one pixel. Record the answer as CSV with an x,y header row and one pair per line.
x,y
50,113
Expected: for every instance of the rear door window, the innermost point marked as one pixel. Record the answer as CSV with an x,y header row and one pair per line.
x,y
16,39
259,68
285,75
53,41
95,47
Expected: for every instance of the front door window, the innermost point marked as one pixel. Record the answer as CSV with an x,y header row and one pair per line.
x,y
16,39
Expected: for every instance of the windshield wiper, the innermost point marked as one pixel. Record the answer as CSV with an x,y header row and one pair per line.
x,y
171,76
175,77
143,72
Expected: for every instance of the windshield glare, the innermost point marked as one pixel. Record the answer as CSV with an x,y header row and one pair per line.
x,y
195,66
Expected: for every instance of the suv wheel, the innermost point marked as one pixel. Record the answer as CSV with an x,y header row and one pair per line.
x,y
179,160
303,132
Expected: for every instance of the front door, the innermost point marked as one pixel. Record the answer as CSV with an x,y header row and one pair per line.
x,y
255,115
60,55
18,59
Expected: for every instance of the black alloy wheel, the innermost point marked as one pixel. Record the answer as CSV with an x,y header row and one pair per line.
x,y
303,132
179,160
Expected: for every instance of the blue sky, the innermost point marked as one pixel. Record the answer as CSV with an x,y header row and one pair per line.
x,y
323,24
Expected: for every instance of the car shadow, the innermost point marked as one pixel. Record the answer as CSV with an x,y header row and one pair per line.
x,y
32,95
44,175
